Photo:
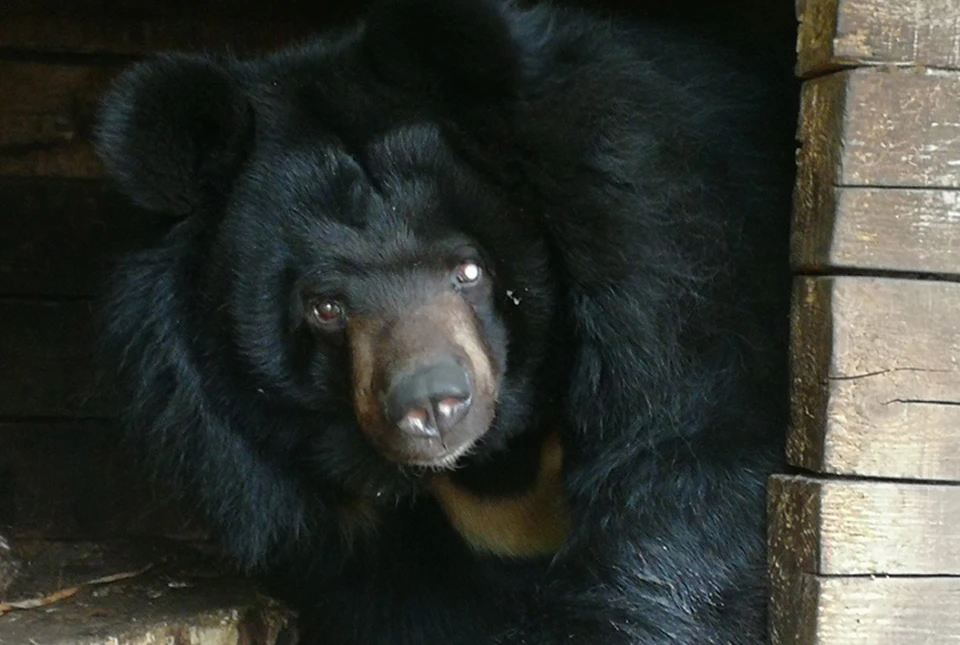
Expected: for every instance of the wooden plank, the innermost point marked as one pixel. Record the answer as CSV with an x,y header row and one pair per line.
x,y
58,235
122,35
879,229
817,610
170,594
875,389
879,127
842,526
836,33
73,480
46,350
848,527
46,118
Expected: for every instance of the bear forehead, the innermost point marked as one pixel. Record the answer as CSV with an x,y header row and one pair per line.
x,y
392,200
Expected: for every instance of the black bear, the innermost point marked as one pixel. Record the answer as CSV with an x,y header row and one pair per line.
x,y
469,324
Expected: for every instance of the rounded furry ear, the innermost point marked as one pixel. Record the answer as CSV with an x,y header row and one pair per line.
x,y
172,127
461,49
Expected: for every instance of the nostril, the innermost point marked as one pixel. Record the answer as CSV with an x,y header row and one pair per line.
x,y
429,400
417,422
449,406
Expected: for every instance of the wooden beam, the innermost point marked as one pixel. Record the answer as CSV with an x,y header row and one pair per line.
x,y
850,527
59,235
818,610
878,229
881,128
876,377
844,559
49,369
837,33
46,118
120,35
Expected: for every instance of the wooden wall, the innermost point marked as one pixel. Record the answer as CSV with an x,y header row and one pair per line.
x,y
865,549
63,473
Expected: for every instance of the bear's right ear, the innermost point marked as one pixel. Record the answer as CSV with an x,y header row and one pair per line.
x,y
172,128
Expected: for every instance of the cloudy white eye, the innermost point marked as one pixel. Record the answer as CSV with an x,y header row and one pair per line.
x,y
327,313
469,273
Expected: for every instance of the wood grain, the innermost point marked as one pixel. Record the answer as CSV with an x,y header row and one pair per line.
x,y
817,610
854,527
49,369
46,118
880,229
58,235
880,128
837,33
875,385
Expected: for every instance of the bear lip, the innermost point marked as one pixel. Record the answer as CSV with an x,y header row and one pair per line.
x,y
446,461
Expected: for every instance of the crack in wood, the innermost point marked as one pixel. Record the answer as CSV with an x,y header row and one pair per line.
x,y
922,402
892,370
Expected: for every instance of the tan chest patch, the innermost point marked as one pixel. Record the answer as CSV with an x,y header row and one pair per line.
x,y
529,524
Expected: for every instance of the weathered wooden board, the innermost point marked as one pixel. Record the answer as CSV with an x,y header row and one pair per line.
x,y
818,610
879,229
881,128
858,532
73,480
57,235
46,118
165,593
122,35
855,527
875,389
48,363
835,33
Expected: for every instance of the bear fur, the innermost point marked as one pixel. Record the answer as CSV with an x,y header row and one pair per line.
x,y
626,192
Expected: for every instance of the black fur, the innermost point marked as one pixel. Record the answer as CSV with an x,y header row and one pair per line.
x,y
630,189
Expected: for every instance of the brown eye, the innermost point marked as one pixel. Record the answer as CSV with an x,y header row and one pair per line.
x,y
469,273
327,313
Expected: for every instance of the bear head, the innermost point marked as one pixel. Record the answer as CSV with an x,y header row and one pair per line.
x,y
349,295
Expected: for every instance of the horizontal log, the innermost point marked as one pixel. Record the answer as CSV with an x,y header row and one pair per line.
x,y
837,33
880,128
161,593
123,35
876,379
73,480
818,610
878,229
46,118
845,527
58,236
49,368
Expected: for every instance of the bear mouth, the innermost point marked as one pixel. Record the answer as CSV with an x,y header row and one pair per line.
x,y
445,461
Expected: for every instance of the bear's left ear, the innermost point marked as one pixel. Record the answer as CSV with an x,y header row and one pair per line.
x,y
460,49
172,128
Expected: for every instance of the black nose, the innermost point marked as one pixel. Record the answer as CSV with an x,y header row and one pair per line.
x,y
429,400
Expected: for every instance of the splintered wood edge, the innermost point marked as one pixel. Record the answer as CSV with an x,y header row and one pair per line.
x,y
868,399
852,527
819,132
811,341
848,33
817,27
818,610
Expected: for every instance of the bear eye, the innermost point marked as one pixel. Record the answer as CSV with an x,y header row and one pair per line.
x,y
469,273
327,313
